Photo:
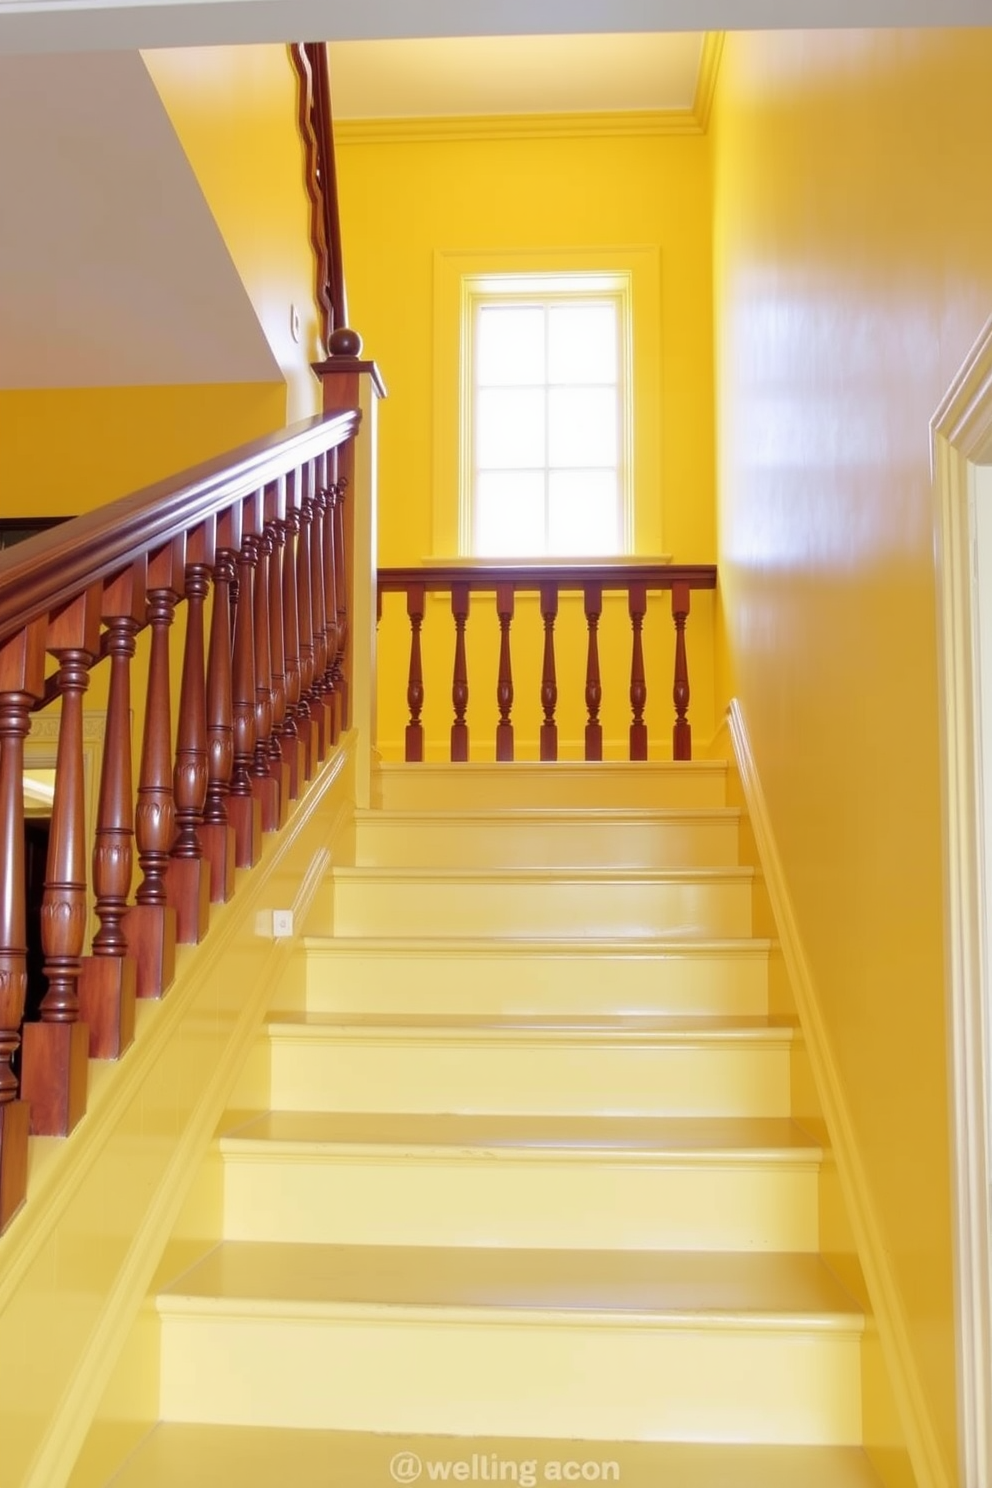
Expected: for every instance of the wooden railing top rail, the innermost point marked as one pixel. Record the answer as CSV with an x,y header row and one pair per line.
x,y
41,574
484,576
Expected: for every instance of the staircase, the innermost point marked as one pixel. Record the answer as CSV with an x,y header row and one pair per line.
x,y
528,1204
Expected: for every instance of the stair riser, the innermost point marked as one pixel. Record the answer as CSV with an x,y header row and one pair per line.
x,y
412,906
315,1073
559,786
570,1378
525,1203
701,842
505,980
492,787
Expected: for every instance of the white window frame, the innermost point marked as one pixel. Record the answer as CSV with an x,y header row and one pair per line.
x,y
641,266
482,290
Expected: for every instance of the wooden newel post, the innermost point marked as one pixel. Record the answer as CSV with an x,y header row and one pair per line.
x,y
349,382
150,926
415,686
57,1049
22,681
108,981
682,733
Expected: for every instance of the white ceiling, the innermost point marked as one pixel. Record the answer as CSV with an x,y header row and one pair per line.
x,y
112,268
66,25
514,75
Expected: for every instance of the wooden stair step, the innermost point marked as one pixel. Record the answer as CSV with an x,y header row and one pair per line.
x,y
549,1181
199,1456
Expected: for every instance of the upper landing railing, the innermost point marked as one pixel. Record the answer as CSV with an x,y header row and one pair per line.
x,y
260,540
590,582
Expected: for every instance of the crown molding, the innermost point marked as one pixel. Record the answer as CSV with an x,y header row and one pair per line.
x,y
424,130
608,124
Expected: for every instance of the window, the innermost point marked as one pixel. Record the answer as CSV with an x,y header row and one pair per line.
x,y
527,298
545,415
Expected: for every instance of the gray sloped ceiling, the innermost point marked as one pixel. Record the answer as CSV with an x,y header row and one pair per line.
x,y
112,269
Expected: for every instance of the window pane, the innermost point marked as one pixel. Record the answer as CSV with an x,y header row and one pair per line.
x,y
583,514
582,343
509,345
582,426
509,428
509,514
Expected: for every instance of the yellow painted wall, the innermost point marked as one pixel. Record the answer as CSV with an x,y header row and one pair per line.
x,y
401,202
235,112
64,451
852,272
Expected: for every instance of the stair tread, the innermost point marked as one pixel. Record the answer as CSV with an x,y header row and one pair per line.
x,y
258,1457
619,1027
746,1289
621,945
539,815
581,1138
719,873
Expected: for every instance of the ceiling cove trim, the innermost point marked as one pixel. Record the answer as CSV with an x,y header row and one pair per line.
x,y
612,124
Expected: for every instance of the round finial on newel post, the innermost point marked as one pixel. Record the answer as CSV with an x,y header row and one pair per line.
x,y
344,342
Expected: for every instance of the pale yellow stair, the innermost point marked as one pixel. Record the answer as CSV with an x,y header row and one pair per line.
x,y
614,1345
529,1191
178,1455
594,1182
425,974
665,837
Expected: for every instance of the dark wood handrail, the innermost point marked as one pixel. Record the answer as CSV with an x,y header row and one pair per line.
x,y
46,571
568,577
317,130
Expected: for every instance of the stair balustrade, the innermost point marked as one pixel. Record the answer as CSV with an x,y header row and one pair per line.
x,y
253,540
506,583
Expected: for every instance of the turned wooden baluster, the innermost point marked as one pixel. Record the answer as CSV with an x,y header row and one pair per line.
x,y
189,873
217,833
331,604
265,782
107,984
243,807
308,721
275,509
151,926
637,605
594,691
22,672
295,743
415,685
682,733
504,683
56,1050
459,684
319,698
549,680
340,675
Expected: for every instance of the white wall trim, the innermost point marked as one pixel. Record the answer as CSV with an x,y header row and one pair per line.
x,y
961,432
907,1387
